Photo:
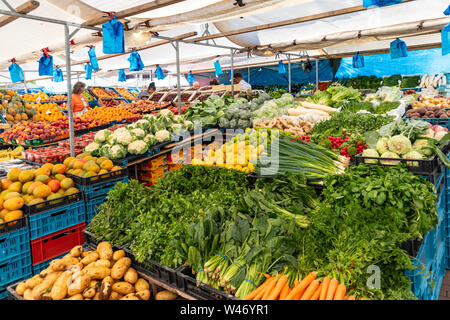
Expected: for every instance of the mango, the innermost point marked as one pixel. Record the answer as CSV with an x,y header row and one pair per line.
x,y
26,176
42,191
59,169
11,195
42,178
13,174
67,183
15,187
33,186
68,160
6,183
13,215
25,186
60,177
107,165
13,204
71,191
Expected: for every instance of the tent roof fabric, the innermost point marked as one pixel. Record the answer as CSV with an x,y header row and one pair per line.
x,y
326,37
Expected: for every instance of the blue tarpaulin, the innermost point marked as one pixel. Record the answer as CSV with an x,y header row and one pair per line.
x,y
421,61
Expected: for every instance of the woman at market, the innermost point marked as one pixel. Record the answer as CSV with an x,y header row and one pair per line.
x,y
214,82
79,102
145,94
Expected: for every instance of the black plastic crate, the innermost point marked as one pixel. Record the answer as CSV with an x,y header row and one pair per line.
x,y
13,225
91,241
82,181
151,151
91,129
412,246
196,289
51,204
155,270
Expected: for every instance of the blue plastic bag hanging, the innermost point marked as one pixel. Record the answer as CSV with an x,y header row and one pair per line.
x,y
281,68
358,60
46,65
122,76
190,77
88,68
445,36
447,12
113,38
151,75
398,49
136,63
218,68
58,75
16,73
93,59
159,73
379,3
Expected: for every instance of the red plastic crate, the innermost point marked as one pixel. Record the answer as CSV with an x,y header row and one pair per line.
x,y
54,244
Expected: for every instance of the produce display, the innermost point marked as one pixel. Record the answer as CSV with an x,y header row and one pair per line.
x,y
375,108
311,112
47,155
112,93
184,108
48,111
106,115
410,81
88,96
388,95
84,165
429,80
334,94
141,106
15,110
428,112
99,274
59,97
31,187
36,97
109,103
80,142
431,102
10,154
100,93
292,125
392,81
362,82
274,108
125,93
157,96
207,112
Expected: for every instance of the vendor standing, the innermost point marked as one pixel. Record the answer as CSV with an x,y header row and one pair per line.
x,y
243,85
80,105
145,94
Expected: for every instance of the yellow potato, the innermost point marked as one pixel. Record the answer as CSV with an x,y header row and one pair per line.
x,y
27,295
21,287
89,293
123,287
118,254
86,253
91,257
58,265
105,250
59,289
143,295
120,267
76,251
94,284
141,285
103,263
70,261
98,272
115,296
130,296
79,284
44,273
131,276
104,291
165,295
108,280
76,297
33,282
46,284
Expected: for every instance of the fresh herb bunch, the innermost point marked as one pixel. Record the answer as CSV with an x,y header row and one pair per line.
x,y
346,122
355,106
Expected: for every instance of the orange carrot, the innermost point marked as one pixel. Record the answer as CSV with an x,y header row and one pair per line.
x,y
332,289
351,298
317,293
302,285
284,293
268,276
255,292
325,284
363,298
340,292
269,289
264,290
276,291
309,292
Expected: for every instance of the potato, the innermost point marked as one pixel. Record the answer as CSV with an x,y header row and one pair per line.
x,y
105,250
70,261
59,289
79,284
144,294
76,267
105,291
108,280
45,272
58,265
45,296
123,287
21,287
130,296
76,251
94,284
118,254
33,282
96,297
120,267
89,292
98,272
165,295
76,297
45,285
141,285
86,253
103,263
115,296
27,295
91,257
131,276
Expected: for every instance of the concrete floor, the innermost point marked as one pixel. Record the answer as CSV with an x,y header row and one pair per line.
x,y
445,287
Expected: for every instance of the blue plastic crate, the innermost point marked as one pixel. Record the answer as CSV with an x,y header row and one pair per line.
x,y
15,268
436,275
92,207
101,189
47,222
14,243
3,289
37,268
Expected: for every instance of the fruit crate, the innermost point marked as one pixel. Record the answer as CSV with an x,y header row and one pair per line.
x,y
97,190
201,291
50,221
91,241
37,268
99,179
14,238
154,269
92,129
7,293
92,207
52,204
14,268
151,151
53,245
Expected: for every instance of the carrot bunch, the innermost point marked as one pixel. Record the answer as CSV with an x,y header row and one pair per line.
x,y
308,288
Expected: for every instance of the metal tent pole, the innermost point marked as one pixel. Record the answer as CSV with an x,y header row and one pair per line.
x,y
289,72
69,90
177,50
25,83
232,73
317,73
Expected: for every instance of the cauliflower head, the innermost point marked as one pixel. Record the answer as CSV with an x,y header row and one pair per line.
x,y
162,136
137,147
